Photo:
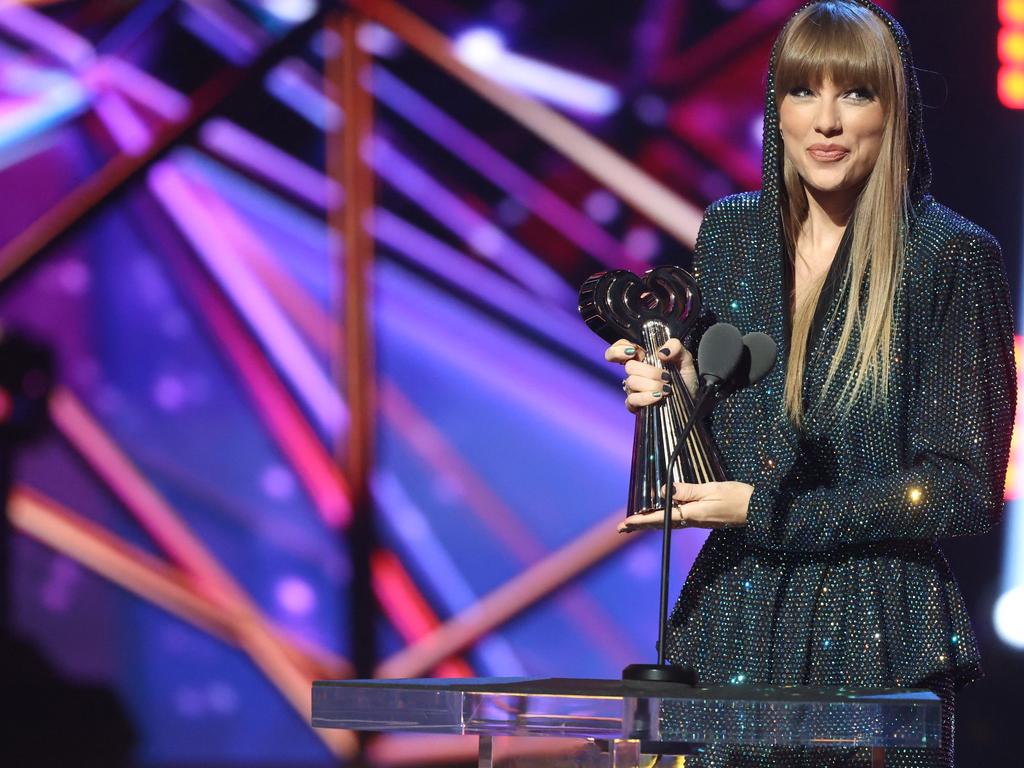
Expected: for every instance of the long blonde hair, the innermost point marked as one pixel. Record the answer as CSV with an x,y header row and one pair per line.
x,y
851,46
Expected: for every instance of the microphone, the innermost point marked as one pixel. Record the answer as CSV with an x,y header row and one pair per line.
x,y
759,353
763,351
725,369
718,354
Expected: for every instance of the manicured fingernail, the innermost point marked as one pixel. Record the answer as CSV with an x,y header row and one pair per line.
x,y
666,390
666,377
630,350
664,351
655,394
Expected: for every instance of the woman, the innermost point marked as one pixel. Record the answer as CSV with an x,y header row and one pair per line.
x,y
886,424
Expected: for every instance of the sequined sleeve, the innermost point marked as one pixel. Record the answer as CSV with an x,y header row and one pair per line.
x,y
709,232
958,434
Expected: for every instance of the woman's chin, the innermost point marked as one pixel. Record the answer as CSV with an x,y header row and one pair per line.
x,y
830,186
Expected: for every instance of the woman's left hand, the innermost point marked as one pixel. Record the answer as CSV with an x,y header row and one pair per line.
x,y
699,505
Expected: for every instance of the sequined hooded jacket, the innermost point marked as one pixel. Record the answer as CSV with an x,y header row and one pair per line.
x,y
837,577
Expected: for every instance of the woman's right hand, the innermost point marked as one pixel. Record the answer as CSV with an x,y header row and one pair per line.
x,y
646,384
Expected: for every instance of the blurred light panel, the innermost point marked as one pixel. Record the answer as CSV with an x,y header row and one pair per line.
x,y
1008,617
1010,47
289,11
484,50
1008,612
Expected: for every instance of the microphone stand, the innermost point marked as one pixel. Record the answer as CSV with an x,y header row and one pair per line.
x,y
662,672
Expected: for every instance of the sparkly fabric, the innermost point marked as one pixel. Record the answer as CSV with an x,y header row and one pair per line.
x,y
837,578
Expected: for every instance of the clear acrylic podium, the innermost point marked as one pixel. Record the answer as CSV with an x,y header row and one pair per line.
x,y
620,724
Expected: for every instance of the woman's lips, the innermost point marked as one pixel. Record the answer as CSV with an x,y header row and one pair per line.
x,y
828,155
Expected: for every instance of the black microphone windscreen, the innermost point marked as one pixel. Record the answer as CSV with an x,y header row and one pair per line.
x,y
719,351
763,352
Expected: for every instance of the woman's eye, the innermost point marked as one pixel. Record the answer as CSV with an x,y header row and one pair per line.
x,y
861,94
800,91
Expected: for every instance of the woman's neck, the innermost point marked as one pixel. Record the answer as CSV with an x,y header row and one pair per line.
x,y
828,213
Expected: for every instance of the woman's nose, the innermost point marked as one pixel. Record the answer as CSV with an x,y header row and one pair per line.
x,y
827,121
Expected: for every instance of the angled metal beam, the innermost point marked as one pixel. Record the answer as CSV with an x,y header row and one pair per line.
x,y
354,363
207,576
139,572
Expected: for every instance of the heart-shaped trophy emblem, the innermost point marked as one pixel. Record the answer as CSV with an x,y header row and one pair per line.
x,y
663,304
621,305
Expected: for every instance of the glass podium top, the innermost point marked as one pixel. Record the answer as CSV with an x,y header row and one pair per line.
x,y
623,709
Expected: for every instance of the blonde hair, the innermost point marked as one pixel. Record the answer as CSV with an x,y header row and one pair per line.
x,y
850,46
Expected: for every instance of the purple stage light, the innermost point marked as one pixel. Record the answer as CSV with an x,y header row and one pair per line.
x,y
642,243
58,590
480,48
222,698
224,29
218,237
288,11
498,169
271,164
299,87
559,324
170,393
129,132
143,88
24,118
189,702
406,524
378,40
601,205
257,203
427,318
20,76
471,226
510,212
44,34
326,44
73,276
484,50
295,596
278,482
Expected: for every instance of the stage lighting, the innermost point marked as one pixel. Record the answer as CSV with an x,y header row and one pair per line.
x,y
290,11
1011,12
1008,617
479,47
1010,48
484,50
1010,87
1010,44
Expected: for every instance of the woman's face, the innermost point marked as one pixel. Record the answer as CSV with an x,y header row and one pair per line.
x,y
832,135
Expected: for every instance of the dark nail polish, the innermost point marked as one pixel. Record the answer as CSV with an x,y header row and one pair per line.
x,y
666,376
664,351
666,390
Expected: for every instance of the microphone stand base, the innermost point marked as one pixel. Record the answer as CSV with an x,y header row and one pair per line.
x,y
660,673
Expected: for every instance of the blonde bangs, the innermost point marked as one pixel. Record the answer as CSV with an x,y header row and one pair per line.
x,y
837,42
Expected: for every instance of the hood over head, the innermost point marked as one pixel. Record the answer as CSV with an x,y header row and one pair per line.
x,y
918,164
